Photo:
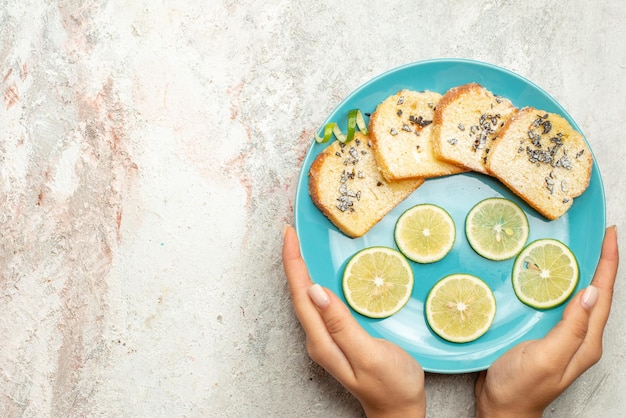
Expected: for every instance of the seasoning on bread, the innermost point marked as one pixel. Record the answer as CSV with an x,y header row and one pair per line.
x,y
540,157
467,120
347,187
401,134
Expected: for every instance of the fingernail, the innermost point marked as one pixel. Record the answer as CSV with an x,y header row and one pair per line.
x,y
285,227
318,296
614,228
590,296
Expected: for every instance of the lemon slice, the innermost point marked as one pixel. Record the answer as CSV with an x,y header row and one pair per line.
x,y
496,228
460,308
377,282
545,274
425,233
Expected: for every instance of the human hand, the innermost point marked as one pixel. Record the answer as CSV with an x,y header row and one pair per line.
x,y
385,379
524,381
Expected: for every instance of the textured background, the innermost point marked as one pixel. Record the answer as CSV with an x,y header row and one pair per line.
x,y
149,153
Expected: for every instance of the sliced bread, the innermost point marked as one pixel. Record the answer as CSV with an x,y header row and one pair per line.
x,y
542,159
465,124
401,134
347,187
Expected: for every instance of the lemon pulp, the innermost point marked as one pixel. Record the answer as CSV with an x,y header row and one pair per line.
x,y
460,308
425,233
497,228
377,282
545,274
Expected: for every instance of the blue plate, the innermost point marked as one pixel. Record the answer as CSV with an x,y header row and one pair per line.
x,y
326,250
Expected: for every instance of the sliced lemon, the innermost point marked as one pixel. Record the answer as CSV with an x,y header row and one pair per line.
x,y
496,228
377,282
545,274
460,308
425,233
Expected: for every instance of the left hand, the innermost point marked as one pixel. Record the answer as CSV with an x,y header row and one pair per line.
x,y
385,379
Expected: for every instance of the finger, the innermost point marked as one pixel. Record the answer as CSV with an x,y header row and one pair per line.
x,y
299,282
606,272
297,277
351,338
320,345
603,280
573,328
480,382
564,340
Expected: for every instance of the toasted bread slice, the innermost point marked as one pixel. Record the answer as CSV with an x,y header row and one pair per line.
x,y
401,133
466,122
346,185
542,159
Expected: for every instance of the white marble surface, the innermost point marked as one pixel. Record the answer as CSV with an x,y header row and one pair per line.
x,y
149,153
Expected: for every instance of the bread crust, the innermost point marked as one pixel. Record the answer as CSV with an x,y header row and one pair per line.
x,y
347,187
467,120
450,97
541,158
401,133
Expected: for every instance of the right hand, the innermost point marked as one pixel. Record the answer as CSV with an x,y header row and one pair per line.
x,y
527,378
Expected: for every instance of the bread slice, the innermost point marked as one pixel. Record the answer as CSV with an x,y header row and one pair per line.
x,y
401,133
466,122
541,158
346,185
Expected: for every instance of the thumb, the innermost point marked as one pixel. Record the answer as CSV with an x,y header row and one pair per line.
x,y
349,336
567,336
480,383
